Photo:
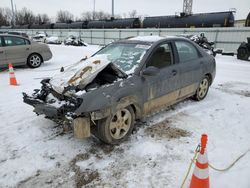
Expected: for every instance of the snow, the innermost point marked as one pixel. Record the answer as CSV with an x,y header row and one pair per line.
x,y
34,152
54,39
82,73
152,38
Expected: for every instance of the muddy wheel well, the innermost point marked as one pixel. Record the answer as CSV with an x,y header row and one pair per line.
x,y
209,78
134,109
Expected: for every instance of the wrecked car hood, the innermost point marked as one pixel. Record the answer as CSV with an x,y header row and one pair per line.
x,y
82,73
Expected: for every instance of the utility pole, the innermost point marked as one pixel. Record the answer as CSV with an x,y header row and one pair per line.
x,y
15,10
13,13
94,11
113,9
187,6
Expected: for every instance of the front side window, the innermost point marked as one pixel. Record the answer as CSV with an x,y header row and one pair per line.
x,y
14,41
186,51
161,57
1,42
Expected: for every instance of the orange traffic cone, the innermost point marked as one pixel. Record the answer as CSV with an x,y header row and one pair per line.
x,y
200,178
12,75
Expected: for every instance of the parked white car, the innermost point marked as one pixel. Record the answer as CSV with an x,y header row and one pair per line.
x,y
53,40
40,37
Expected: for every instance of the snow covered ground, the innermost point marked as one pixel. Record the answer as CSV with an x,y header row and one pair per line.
x,y
34,152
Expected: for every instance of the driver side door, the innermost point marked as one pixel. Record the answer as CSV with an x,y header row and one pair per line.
x,y
17,49
2,53
161,89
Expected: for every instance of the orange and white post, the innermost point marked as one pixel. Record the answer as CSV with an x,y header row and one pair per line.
x,y
13,81
200,178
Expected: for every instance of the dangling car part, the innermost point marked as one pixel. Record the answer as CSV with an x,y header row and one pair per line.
x,y
73,41
202,42
124,81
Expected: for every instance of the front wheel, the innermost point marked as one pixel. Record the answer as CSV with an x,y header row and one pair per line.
x,y
116,128
202,90
34,61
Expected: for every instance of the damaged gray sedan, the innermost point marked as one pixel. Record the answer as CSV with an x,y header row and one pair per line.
x,y
124,81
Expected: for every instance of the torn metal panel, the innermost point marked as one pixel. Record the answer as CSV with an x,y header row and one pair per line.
x,y
80,73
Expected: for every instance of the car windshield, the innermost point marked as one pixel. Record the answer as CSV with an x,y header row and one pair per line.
x,y
126,56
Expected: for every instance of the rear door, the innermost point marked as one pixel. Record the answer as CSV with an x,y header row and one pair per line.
x,y
17,49
161,89
190,61
2,53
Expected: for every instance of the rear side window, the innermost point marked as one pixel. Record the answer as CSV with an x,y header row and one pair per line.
x,y
27,42
1,42
14,41
186,51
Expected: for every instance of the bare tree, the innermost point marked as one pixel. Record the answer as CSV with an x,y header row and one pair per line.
x,y
64,16
45,18
100,15
133,14
87,16
5,16
42,18
24,17
118,16
78,19
124,15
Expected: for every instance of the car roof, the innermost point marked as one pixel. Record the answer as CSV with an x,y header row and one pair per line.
x,y
151,38
148,39
11,35
19,32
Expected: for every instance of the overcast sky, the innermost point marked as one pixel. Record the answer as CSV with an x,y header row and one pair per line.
x,y
143,7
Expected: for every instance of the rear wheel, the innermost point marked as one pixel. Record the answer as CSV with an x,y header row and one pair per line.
x,y
116,128
243,54
202,90
34,61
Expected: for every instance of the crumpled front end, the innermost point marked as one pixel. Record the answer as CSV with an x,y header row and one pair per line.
x,y
53,105
62,95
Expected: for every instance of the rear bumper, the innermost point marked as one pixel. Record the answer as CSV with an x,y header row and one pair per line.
x,y
47,56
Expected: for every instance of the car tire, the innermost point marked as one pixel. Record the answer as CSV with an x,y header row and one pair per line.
x,y
243,54
202,89
214,53
116,128
34,61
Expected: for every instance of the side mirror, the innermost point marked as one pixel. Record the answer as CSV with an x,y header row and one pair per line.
x,y
150,71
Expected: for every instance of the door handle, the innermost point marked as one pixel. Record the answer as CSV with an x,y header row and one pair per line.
x,y
174,72
1,52
27,48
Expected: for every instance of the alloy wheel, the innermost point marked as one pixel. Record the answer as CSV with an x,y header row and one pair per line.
x,y
120,123
203,88
35,60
